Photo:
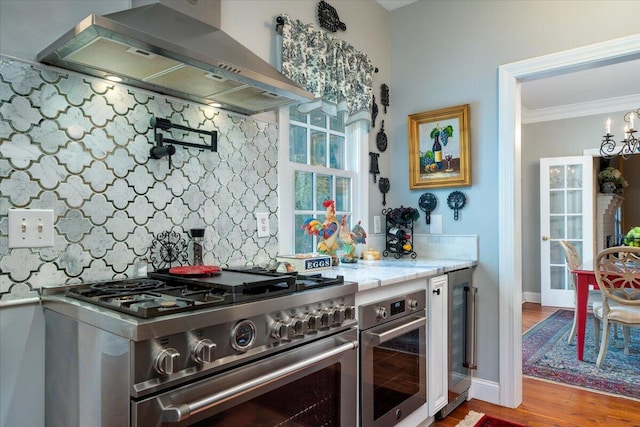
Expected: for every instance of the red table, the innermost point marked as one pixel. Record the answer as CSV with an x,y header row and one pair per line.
x,y
584,278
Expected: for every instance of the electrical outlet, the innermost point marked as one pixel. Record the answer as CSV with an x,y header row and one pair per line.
x,y
376,225
30,228
262,219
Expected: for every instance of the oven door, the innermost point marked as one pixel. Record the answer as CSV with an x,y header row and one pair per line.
x,y
393,369
311,385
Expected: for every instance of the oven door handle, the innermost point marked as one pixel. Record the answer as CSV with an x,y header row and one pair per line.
x,y
180,412
377,339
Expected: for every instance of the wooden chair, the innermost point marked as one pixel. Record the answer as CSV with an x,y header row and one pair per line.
x,y
574,262
617,272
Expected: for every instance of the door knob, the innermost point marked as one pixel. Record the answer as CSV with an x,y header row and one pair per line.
x,y
545,238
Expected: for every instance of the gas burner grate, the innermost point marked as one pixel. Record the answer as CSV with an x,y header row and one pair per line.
x,y
127,286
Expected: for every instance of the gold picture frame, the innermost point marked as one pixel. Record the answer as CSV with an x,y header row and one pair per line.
x,y
439,151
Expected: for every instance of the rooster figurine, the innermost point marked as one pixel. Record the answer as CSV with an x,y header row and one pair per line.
x,y
327,231
350,239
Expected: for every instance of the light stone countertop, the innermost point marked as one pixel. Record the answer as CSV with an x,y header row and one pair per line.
x,y
385,272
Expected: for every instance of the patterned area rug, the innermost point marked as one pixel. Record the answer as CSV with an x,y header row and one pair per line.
x,y
478,419
547,355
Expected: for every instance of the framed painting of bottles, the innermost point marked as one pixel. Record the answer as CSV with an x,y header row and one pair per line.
x,y
439,153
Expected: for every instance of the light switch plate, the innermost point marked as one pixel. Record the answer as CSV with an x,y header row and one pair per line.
x,y
436,224
376,225
263,224
30,228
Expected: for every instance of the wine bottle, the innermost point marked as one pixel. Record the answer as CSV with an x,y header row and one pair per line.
x,y
437,151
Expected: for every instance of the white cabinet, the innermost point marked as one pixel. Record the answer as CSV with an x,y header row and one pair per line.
x,y
437,377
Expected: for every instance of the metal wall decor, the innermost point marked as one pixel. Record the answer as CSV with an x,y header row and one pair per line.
x,y
384,96
374,111
384,187
381,139
456,201
428,203
373,165
168,249
329,19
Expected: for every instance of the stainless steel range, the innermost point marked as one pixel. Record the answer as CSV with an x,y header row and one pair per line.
x,y
245,347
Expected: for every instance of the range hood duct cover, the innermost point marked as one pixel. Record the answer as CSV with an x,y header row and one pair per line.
x,y
157,48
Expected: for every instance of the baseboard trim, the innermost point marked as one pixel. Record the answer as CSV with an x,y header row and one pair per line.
x,y
531,297
487,391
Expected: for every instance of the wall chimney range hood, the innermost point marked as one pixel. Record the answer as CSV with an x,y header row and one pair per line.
x,y
158,48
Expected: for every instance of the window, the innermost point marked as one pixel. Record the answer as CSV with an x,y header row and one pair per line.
x,y
319,160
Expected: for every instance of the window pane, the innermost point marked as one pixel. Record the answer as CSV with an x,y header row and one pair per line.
x,y
294,114
556,254
323,190
337,123
303,190
336,151
318,148
303,240
297,144
558,278
343,194
318,118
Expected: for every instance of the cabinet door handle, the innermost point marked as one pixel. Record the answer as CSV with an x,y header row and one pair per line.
x,y
436,291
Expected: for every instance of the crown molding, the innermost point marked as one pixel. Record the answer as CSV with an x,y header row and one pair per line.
x,y
571,111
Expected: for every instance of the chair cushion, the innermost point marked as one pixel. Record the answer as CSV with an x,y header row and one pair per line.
x,y
628,315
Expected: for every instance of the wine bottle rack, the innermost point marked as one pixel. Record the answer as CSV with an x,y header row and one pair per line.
x,y
399,231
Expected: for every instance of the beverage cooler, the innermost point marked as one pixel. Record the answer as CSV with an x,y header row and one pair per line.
x,y
461,330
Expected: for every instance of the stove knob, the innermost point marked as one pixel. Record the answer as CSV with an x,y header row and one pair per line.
x,y
349,312
312,322
324,320
166,362
297,328
280,331
413,304
204,352
338,315
381,313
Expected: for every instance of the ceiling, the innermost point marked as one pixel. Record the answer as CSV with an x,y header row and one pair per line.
x,y
546,98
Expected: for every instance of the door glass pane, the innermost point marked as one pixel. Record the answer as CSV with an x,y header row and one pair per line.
x,y
343,194
558,277
318,148
297,144
574,227
313,400
396,372
323,190
556,253
556,202
574,176
578,246
304,190
303,241
574,201
556,177
556,227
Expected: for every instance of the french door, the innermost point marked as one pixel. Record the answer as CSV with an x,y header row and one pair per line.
x,y
566,213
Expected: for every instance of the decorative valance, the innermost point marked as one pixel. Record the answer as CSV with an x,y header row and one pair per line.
x,y
338,75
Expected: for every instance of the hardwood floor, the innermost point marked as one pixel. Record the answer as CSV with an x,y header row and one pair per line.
x,y
550,404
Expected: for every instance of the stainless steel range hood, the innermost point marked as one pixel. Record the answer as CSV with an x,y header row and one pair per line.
x,y
158,48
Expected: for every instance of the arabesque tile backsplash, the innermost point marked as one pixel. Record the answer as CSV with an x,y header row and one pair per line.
x,y
80,146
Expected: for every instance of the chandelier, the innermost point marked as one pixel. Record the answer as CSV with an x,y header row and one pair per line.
x,y
628,146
